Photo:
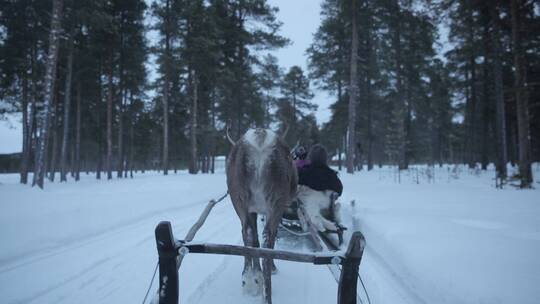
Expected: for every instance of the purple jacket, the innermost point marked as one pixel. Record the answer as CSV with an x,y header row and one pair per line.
x,y
301,163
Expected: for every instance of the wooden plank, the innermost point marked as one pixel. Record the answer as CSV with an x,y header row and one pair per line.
x,y
202,218
197,226
347,289
263,253
168,268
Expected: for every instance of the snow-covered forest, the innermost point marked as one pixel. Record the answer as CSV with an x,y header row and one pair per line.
x,y
128,110
79,73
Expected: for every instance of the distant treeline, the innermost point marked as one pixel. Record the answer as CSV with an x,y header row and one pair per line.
x,y
77,70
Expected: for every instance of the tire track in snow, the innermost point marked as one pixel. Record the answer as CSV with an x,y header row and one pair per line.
x,y
222,226
60,284
82,241
383,269
198,293
218,215
118,256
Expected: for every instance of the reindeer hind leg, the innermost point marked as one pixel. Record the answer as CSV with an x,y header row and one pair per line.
x,y
255,240
252,279
250,283
270,233
256,265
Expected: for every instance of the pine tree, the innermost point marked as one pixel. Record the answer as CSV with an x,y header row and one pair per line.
x,y
241,103
525,171
50,79
270,77
500,122
67,106
296,99
22,64
353,92
166,25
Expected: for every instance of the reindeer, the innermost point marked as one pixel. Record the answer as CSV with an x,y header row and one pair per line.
x,y
262,180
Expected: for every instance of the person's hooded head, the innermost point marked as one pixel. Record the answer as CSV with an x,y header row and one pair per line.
x,y
300,153
318,155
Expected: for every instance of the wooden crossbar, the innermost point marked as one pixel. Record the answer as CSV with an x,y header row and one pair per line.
x,y
317,259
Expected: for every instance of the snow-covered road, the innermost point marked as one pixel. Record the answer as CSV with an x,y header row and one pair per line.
x,y
450,241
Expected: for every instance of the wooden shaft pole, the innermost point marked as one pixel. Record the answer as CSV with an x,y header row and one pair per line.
x,y
347,293
168,266
195,228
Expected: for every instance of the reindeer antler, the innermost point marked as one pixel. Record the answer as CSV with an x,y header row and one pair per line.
x,y
286,130
229,136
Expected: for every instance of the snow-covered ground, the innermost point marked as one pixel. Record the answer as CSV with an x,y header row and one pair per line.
x,y
453,238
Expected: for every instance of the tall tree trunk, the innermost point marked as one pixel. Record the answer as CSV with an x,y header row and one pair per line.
x,y
353,93
473,123
120,156
408,127
369,152
193,129
67,106
54,130
108,162
50,79
32,117
29,120
77,163
369,56
522,107
213,133
486,93
166,86
399,111
121,104
25,157
31,126
72,157
502,154
165,128
471,101
131,136
99,129
340,141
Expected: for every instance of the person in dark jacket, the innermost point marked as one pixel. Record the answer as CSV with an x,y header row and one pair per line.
x,y
317,183
317,175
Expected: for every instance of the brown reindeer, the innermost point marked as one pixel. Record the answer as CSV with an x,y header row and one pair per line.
x,y
262,180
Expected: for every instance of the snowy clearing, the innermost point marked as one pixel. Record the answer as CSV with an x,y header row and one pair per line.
x,y
454,239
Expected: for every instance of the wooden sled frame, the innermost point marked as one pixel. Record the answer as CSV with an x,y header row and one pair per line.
x,y
172,251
